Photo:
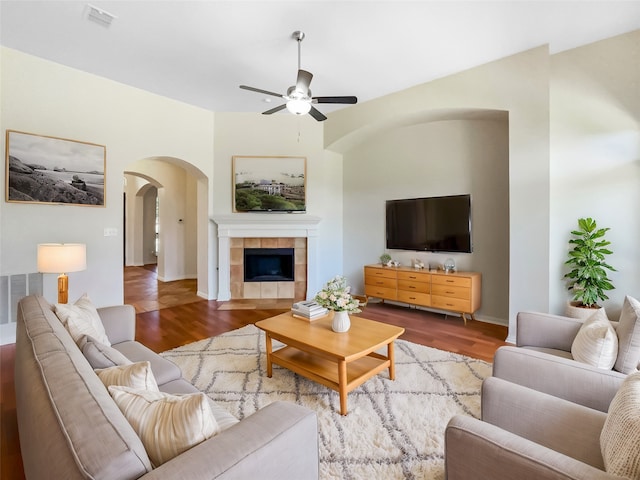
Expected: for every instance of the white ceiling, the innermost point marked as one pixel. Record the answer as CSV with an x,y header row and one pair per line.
x,y
199,52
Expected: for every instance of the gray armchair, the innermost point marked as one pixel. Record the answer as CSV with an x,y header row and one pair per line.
x,y
525,435
542,360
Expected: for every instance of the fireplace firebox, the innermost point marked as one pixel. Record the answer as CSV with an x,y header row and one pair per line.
x,y
269,265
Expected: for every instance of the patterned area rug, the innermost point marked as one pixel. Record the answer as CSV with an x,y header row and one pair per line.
x,y
394,429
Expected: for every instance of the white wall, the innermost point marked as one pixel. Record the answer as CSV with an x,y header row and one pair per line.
x,y
595,153
285,134
519,85
432,159
45,98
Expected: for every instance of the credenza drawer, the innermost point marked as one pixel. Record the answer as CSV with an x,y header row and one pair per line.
x,y
415,276
380,281
380,292
385,272
451,280
447,303
463,293
414,298
413,286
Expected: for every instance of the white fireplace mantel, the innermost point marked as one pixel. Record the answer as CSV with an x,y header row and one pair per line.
x,y
253,225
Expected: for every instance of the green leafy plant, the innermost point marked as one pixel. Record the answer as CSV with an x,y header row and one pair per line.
x,y
588,278
384,258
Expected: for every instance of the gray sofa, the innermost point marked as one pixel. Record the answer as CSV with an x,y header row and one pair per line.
x,y
70,428
525,435
542,361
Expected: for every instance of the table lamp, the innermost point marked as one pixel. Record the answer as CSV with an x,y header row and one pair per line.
x,y
62,258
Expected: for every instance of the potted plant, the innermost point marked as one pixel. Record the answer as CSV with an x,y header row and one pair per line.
x,y
588,276
385,258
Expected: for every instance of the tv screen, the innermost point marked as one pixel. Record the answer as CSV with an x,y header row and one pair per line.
x,y
433,224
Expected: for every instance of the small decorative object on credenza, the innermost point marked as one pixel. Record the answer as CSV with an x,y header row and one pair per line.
x,y
449,265
385,258
336,296
309,310
417,263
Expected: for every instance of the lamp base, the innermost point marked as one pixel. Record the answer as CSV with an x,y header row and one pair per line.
x,y
63,288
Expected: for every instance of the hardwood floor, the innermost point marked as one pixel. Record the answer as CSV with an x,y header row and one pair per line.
x,y
170,314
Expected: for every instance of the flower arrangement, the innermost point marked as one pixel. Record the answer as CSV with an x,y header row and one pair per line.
x,y
335,296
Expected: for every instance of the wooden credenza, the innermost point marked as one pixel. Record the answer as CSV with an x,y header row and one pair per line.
x,y
459,292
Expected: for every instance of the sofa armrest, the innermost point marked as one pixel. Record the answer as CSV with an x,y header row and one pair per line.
x,y
546,330
119,322
476,449
561,377
279,442
562,426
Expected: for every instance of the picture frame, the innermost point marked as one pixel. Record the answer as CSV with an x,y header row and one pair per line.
x,y
269,184
52,170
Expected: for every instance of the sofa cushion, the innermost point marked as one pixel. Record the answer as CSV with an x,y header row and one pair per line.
x,y
167,424
100,355
82,318
596,342
620,437
134,375
628,336
164,370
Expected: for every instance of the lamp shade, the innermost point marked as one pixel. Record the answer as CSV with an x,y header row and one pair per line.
x,y
62,257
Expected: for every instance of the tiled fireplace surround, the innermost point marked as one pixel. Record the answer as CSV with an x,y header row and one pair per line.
x,y
247,230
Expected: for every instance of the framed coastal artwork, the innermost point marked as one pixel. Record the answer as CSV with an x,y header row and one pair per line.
x,y
269,184
51,170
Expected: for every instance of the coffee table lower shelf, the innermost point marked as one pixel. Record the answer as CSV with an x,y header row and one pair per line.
x,y
339,376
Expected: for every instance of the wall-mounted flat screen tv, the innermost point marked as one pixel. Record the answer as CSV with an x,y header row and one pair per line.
x,y
433,224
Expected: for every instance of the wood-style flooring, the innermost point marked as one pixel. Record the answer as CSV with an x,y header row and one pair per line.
x,y
170,314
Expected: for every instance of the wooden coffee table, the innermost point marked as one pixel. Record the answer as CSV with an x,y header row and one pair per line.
x,y
340,361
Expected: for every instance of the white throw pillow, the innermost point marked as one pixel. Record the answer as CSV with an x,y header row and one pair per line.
x,y
82,318
620,437
167,424
596,342
628,336
135,375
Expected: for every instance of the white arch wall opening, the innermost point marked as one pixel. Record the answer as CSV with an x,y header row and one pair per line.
x,y
182,192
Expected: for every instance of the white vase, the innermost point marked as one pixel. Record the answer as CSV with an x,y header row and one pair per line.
x,y
341,322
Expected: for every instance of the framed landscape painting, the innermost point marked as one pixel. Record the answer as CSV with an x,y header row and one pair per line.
x,y
51,170
269,184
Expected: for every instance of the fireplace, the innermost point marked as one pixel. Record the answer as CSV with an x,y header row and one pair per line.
x,y
249,230
269,265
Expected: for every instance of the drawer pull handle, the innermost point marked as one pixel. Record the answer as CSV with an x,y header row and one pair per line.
x,y
412,298
380,283
412,277
450,281
412,286
451,292
449,304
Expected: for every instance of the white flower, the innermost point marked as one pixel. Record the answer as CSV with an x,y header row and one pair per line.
x,y
335,295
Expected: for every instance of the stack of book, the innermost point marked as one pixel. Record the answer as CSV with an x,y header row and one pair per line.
x,y
308,310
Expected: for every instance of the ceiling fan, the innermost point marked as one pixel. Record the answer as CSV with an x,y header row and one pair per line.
x,y
298,97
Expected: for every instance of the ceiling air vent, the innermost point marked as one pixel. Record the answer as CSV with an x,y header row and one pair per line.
x,y
99,16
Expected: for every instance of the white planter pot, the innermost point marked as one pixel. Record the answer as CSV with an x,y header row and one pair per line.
x,y
579,312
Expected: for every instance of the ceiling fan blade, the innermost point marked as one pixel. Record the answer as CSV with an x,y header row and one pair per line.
x,y
259,90
349,100
275,109
315,113
303,81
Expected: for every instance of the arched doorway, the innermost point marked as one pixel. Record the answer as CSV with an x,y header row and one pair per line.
x,y
166,219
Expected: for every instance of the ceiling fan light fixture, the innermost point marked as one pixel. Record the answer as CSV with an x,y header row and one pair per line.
x,y
298,106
